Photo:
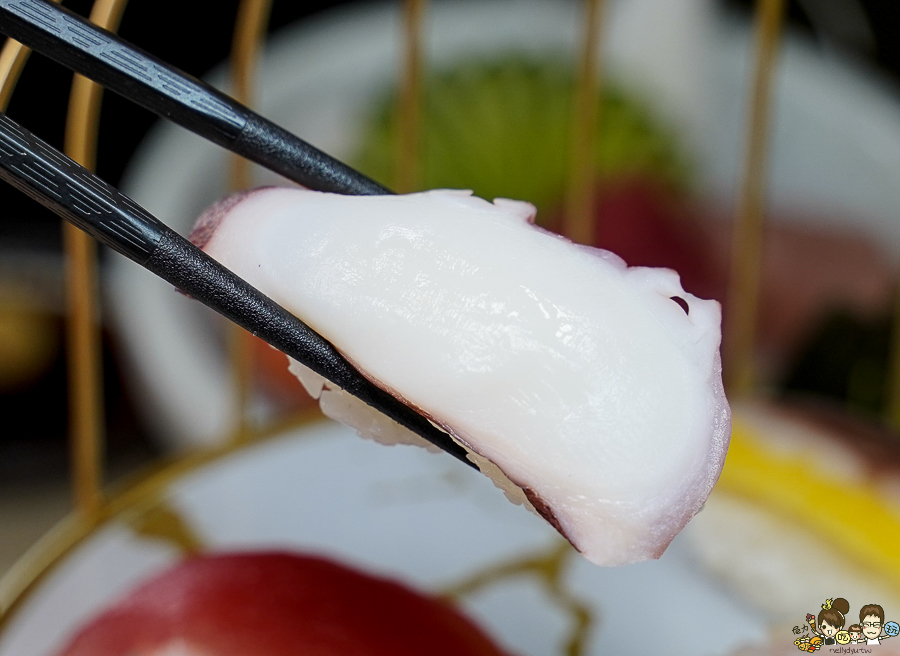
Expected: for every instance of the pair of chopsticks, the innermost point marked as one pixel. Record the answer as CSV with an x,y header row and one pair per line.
x,y
80,197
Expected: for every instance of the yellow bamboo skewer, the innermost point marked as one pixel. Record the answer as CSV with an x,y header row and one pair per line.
x,y
82,299
579,221
12,60
409,146
743,292
249,32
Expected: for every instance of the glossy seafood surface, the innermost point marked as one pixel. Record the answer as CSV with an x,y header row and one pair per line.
x,y
583,382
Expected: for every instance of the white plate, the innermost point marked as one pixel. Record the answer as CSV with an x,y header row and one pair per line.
x,y
422,518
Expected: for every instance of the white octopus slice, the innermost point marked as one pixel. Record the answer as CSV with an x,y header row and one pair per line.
x,y
576,378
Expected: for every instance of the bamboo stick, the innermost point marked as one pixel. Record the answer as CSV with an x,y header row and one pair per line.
x,y
409,146
579,221
249,32
746,253
85,353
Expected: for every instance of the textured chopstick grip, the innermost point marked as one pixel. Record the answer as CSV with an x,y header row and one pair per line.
x,y
119,66
54,180
80,197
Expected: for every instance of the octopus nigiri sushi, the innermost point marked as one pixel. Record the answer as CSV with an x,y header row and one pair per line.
x,y
590,391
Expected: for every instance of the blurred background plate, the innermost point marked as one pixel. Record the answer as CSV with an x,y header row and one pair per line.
x,y
418,517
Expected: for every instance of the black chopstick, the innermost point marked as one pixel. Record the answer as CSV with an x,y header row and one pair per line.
x,y
101,210
78,44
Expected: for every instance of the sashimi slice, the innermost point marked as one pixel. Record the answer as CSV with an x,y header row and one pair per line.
x,y
590,389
